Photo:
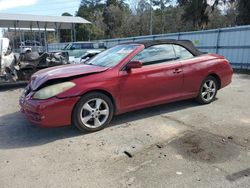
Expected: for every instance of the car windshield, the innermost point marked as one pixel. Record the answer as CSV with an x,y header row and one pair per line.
x,y
67,46
112,56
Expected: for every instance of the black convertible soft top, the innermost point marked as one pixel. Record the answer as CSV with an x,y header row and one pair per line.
x,y
184,43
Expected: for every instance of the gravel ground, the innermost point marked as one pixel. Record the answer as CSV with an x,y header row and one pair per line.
x,y
181,144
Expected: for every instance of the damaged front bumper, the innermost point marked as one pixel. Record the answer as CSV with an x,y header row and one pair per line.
x,y
52,112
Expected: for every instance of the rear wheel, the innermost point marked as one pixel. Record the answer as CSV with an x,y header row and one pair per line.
x,y
93,112
208,90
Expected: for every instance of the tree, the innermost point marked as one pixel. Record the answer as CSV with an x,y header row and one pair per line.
x,y
117,18
231,14
173,20
243,9
120,3
216,19
90,10
113,20
144,15
198,12
65,35
161,4
112,2
92,3
195,11
113,17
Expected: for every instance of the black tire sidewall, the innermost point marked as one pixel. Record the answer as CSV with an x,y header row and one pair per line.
x,y
76,120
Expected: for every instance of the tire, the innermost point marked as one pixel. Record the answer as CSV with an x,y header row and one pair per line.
x,y
208,90
93,112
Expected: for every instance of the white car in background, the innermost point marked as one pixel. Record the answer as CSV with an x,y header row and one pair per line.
x,y
85,57
77,50
7,57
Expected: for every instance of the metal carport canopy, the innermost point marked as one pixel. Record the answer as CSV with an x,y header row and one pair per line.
x,y
39,21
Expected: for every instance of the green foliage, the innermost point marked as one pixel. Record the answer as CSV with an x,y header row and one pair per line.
x,y
65,34
162,4
126,18
243,17
90,10
196,12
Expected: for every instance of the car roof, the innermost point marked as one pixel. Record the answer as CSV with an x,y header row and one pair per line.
x,y
184,43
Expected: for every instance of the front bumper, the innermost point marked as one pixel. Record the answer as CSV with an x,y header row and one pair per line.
x,y
53,112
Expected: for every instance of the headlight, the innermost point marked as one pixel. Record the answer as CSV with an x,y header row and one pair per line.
x,y
53,90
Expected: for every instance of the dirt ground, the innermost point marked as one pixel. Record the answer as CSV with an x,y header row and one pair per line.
x,y
181,144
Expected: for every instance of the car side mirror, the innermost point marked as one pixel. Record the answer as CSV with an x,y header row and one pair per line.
x,y
134,65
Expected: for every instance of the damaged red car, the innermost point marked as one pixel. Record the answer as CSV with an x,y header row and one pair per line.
x,y
123,78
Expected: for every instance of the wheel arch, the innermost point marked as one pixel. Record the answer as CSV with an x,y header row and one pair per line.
x,y
217,77
104,92
108,94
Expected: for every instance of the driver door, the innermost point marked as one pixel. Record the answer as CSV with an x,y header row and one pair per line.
x,y
159,80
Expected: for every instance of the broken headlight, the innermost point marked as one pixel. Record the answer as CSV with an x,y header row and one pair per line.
x,y
53,90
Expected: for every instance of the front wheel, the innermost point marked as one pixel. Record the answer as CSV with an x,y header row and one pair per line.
x,y
93,112
208,90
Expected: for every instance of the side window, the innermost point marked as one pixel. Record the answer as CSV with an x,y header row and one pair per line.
x,y
74,46
182,53
156,54
87,46
95,45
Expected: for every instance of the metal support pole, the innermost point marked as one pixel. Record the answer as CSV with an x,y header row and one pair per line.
x,y
59,33
74,32
31,29
34,34
14,41
89,33
39,30
55,35
179,36
71,33
39,36
23,36
45,38
20,35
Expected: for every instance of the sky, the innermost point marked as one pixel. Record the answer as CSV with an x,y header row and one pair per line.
x,y
43,7
39,7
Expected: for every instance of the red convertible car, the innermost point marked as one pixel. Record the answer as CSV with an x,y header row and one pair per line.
x,y
123,78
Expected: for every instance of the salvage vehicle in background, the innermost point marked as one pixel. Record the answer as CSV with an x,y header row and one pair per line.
x,y
30,46
77,49
123,78
20,67
31,62
7,60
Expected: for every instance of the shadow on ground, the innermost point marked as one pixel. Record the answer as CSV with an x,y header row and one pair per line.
x,y
17,132
12,86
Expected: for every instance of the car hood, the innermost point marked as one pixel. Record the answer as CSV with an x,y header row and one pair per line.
x,y
64,71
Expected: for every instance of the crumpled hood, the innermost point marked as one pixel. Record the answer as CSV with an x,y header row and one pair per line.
x,y
63,71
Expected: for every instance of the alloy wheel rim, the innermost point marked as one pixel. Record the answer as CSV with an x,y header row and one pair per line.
x,y
208,90
94,113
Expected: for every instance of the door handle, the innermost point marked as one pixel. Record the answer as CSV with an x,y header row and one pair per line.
x,y
176,71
